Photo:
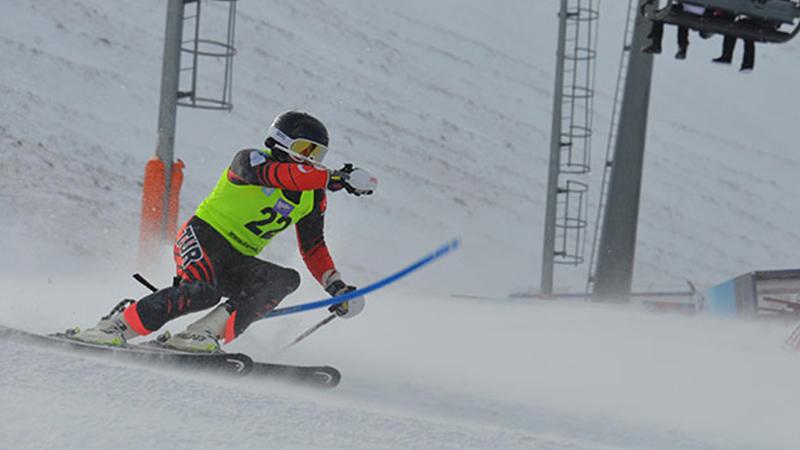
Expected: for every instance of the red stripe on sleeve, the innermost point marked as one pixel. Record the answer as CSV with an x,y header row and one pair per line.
x,y
234,178
291,175
272,177
307,178
288,176
284,175
318,260
261,175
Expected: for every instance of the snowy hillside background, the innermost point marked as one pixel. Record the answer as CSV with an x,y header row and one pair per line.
x,y
448,102
453,115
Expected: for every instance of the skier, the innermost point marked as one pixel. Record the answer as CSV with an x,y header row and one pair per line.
x,y
260,194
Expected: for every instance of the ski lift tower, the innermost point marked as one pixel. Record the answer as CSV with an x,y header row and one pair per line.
x,y
613,276
163,176
618,213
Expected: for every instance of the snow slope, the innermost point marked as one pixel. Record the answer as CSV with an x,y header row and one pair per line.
x,y
453,115
449,103
465,374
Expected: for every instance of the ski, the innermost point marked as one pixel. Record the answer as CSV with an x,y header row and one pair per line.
x,y
326,377
228,363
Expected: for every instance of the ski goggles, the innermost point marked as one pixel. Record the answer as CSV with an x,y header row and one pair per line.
x,y
305,148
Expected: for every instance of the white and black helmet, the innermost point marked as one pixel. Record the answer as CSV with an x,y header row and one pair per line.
x,y
299,134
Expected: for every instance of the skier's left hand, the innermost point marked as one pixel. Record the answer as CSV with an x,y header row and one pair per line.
x,y
348,309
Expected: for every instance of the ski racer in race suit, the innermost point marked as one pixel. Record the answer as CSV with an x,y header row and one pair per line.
x,y
262,193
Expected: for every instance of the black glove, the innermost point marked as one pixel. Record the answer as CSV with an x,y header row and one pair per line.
x,y
338,178
347,309
354,180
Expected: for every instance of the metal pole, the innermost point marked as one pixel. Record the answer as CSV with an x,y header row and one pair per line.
x,y
167,111
614,274
548,247
311,330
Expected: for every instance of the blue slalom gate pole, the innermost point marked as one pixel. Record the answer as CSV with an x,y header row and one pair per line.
x,y
436,254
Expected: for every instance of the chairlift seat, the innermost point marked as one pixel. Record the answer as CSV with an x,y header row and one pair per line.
x,y
784,11
772,13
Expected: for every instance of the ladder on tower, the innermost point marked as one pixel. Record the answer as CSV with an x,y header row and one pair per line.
x,y
577,113
217,52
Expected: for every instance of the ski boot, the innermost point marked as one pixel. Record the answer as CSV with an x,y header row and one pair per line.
x,y
112,329
201,336
652,49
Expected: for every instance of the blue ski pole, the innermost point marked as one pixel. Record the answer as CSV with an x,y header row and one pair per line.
x,y
436,254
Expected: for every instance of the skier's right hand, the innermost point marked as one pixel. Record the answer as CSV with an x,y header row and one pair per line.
x,y
354,180
348,309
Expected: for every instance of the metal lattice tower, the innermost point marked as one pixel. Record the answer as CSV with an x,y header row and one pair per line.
x,y
571,138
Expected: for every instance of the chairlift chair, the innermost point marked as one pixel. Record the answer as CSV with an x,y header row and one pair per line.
x,y
766,17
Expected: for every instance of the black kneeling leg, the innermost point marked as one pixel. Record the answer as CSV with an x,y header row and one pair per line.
x,y
269,286
162,306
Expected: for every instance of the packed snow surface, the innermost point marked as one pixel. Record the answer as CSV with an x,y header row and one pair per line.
x,y
448,102
424,371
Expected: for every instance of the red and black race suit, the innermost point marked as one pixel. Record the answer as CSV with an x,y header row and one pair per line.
x,y
210,268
